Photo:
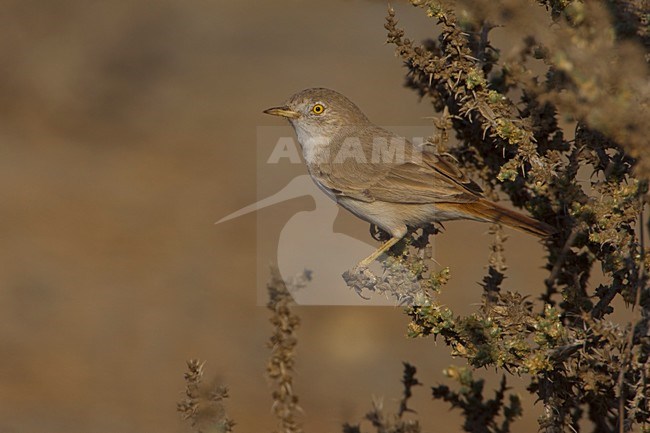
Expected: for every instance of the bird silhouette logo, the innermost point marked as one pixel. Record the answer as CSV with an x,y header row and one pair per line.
x,y
308,241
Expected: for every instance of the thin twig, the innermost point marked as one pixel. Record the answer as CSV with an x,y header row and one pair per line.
x,y
636,317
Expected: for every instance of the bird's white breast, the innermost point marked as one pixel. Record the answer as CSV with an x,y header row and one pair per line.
x,y
315,147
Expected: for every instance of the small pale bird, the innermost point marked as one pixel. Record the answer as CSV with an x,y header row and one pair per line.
x,y
383,178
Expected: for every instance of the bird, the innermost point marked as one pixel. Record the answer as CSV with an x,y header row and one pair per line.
x,y
383,178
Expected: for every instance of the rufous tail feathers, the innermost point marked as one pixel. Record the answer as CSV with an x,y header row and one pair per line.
x,y
490,211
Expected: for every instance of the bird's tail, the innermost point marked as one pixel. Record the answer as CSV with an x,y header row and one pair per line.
x,y
487,210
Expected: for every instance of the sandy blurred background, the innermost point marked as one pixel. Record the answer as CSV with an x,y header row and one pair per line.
x,y
127,129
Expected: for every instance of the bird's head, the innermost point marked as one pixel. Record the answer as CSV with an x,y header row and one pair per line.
x,y
319,112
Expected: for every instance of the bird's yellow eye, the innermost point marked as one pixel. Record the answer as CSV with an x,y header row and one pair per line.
x,y
318,109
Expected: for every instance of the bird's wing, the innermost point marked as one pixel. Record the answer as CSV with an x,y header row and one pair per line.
x,y
433,179
423,183
447,165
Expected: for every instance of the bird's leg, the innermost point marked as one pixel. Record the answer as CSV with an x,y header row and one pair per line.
x,y
381,250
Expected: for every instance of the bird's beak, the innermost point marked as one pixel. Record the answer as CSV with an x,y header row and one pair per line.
x,y
283,111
